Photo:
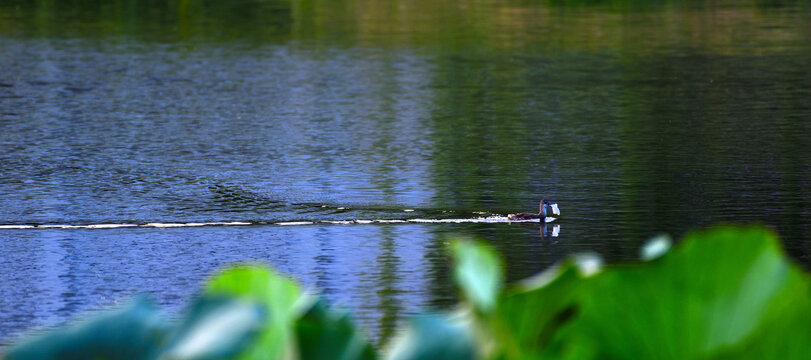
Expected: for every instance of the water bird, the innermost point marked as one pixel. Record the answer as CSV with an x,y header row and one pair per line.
x,y
540,215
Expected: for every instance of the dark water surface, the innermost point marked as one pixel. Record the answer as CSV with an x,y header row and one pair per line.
x,y
637,120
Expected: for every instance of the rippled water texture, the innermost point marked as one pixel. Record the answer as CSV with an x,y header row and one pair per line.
x,y
381,129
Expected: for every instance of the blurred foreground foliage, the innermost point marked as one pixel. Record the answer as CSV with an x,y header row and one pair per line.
x,y
729,292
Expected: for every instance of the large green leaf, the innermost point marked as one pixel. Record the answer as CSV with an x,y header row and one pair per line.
x,y
529,314
216,328
727,293
720,292
324,333
478,273
434,336
135,332
784,332
281,298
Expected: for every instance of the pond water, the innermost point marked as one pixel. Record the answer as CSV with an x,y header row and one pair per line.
x,y
345,142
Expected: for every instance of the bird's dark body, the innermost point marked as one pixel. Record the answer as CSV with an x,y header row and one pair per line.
x,y
530,216
524,216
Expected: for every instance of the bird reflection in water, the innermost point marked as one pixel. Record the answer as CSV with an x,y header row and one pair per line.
x,y
547,232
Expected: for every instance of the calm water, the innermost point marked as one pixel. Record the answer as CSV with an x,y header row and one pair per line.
x,y
636,120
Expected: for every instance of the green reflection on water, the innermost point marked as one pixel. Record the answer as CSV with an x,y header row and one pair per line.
x,y
454,25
